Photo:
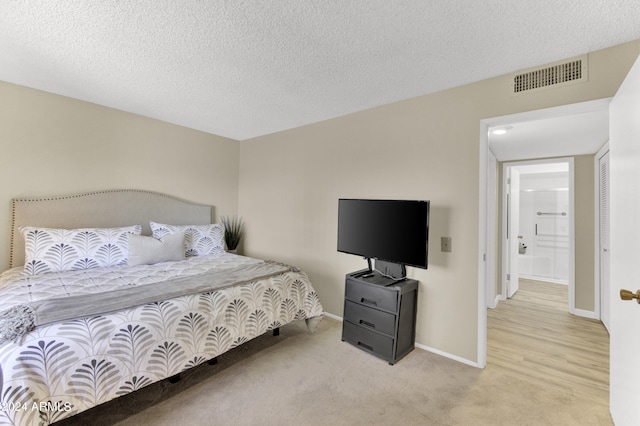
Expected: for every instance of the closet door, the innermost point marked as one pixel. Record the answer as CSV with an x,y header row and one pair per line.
x,y
603,201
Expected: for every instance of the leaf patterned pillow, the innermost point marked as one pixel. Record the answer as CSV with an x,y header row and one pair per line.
x,y
56,250
199,240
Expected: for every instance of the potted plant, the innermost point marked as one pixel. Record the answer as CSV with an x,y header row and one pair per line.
x,y
233,232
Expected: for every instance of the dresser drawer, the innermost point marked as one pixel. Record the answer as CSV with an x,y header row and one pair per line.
x,y
370,341
371,295
370,318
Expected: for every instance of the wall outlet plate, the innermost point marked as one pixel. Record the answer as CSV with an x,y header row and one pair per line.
x,y
445,244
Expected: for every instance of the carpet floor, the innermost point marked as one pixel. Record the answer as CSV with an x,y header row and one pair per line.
x,y
299,378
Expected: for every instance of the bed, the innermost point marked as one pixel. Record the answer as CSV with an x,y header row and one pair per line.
x,y
82,329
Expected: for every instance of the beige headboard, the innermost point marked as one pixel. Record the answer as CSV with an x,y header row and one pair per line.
x,y
101,209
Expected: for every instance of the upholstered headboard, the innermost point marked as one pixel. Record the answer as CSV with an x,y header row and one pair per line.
x,y
101,209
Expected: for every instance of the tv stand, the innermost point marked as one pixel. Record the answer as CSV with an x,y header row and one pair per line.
x,y
396,281
390,269
396,271
380,314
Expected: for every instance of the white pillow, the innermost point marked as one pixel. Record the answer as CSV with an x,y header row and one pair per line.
x,y
199,240
55,250
148,250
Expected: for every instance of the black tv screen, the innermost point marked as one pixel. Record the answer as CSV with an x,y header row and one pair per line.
x,y
389,230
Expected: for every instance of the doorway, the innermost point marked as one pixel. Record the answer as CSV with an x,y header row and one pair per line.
x,y
538,233
577,129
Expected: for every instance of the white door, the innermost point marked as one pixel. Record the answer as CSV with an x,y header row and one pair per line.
x,y
624,151
603,203
513,229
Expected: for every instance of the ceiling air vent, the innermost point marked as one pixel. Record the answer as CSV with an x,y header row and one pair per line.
x,y
563,73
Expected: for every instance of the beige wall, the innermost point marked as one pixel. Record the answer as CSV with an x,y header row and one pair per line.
x,y
584,217
50,145
422,148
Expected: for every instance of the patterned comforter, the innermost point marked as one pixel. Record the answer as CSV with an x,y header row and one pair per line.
x,y
62,369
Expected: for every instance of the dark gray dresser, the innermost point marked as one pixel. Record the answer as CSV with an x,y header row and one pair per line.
x,y
380,314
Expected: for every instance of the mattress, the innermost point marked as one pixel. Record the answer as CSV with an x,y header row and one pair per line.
x,y
64,368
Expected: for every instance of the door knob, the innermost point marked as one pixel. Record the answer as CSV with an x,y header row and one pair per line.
x,y
627,295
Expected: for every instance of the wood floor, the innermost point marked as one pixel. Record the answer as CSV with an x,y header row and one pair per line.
x,y
532,335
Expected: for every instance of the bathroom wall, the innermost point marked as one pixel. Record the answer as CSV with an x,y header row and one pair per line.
x,y
544,225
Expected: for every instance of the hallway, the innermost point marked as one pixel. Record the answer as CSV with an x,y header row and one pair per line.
x,y
533,337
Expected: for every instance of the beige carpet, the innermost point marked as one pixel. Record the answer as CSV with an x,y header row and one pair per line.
x,y
300,378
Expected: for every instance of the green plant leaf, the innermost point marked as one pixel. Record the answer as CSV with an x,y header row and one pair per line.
x,y
233,230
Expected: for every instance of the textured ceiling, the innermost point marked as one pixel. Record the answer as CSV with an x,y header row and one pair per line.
x,y
241,69
566,134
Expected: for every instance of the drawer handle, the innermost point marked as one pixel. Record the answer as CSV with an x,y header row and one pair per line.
x,y
369,302
364,345
368,324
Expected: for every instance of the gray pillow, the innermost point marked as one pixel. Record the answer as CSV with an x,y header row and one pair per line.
x,y
148,250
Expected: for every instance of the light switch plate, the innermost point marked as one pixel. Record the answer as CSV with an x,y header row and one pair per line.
x,y
445,244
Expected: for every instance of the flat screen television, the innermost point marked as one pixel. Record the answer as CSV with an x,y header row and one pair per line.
x,y
395,231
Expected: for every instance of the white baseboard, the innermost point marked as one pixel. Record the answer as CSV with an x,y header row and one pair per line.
x,y
423,347
448,355
543,279
586,314
495,302
335,317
